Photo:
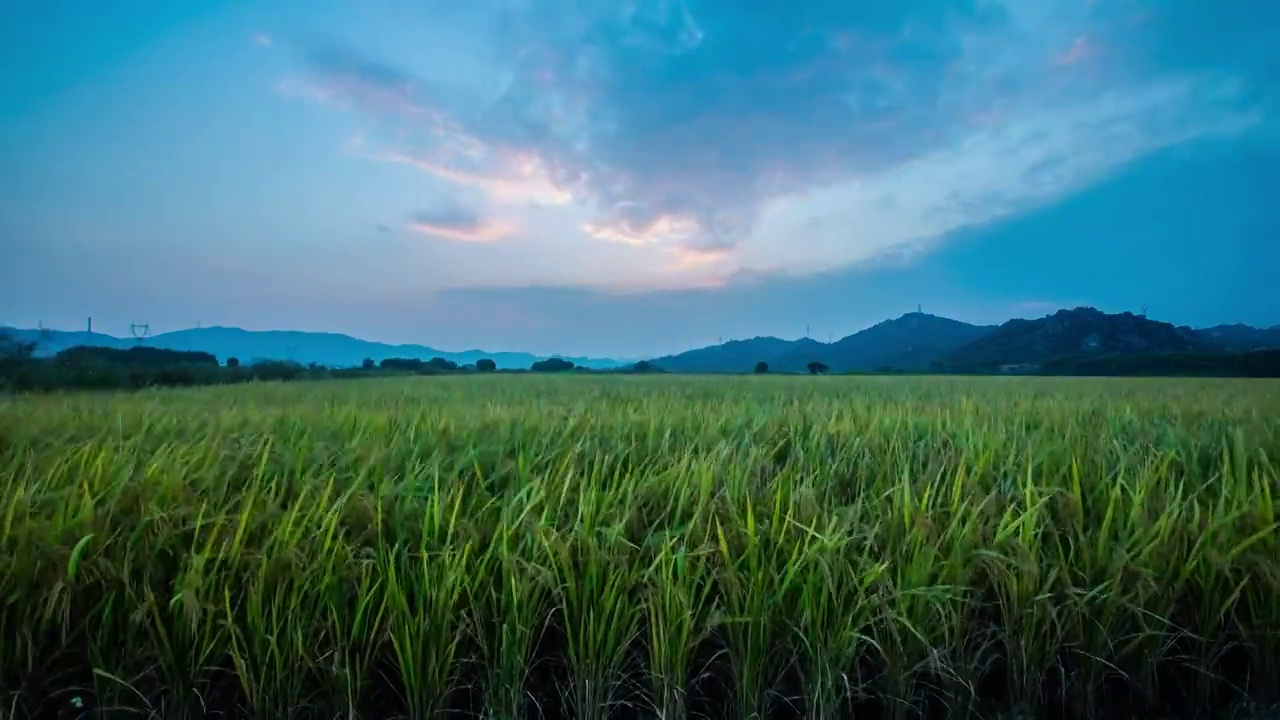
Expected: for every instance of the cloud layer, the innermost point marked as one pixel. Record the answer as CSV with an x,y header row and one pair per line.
x,y
728,139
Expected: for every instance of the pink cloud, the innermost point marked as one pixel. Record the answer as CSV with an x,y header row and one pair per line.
x,y
480,232
666,227
517,179
505,173
693,258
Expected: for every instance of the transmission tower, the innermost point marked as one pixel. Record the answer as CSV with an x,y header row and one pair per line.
x,y
1144,311
140,331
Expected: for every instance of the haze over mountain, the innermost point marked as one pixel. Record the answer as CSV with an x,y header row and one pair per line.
x,y
329,349
913,342
624,179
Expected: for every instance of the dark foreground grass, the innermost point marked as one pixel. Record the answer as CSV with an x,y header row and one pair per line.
x,y
508,547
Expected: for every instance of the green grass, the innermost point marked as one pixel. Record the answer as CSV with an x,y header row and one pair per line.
x,y
640,547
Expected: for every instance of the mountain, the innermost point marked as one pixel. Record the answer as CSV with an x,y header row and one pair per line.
x,y
738,356
919,341
332,349
1083,331
1241,338
910,342
915,341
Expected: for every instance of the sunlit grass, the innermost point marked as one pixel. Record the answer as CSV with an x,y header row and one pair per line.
x,y
640,547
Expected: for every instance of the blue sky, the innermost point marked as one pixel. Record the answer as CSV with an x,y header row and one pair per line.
x,y
633,178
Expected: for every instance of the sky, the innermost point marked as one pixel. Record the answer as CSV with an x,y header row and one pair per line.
x,y
634,177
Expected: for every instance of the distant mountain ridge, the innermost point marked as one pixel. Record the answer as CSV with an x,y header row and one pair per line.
x,y
331,349
1083,331
912,342
1242,338
920,341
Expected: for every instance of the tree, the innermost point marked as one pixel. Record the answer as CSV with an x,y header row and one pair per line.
x,y
402,364
233,362
644,366
552,365
13,348
368,364
486,365
762,367
816,368
439,364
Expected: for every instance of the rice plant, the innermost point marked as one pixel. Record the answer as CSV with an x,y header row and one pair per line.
x,y
664,547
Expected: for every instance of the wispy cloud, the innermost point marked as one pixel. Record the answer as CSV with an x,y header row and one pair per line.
x,y
261,40
737,143
454,223
504,178
632,224
483,233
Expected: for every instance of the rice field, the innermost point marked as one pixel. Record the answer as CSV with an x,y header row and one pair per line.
x,y
642,547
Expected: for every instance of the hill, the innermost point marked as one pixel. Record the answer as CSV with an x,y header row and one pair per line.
x,y
1241,338
1082,332
331,349
738,356
910,342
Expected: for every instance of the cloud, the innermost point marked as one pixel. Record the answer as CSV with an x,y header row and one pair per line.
x,y
633,224
425,133
1046,153
730,140
461,225
261,40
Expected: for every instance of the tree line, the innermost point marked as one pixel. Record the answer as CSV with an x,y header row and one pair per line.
x,y
86,367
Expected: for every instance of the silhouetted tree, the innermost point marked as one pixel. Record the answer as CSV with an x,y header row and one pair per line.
x,y
762,367
816,368
439,364
233,362
486,365
552,365
403,364
137,356
12,347
644,366
368,364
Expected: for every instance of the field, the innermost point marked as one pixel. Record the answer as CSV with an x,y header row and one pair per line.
x,y
661,547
